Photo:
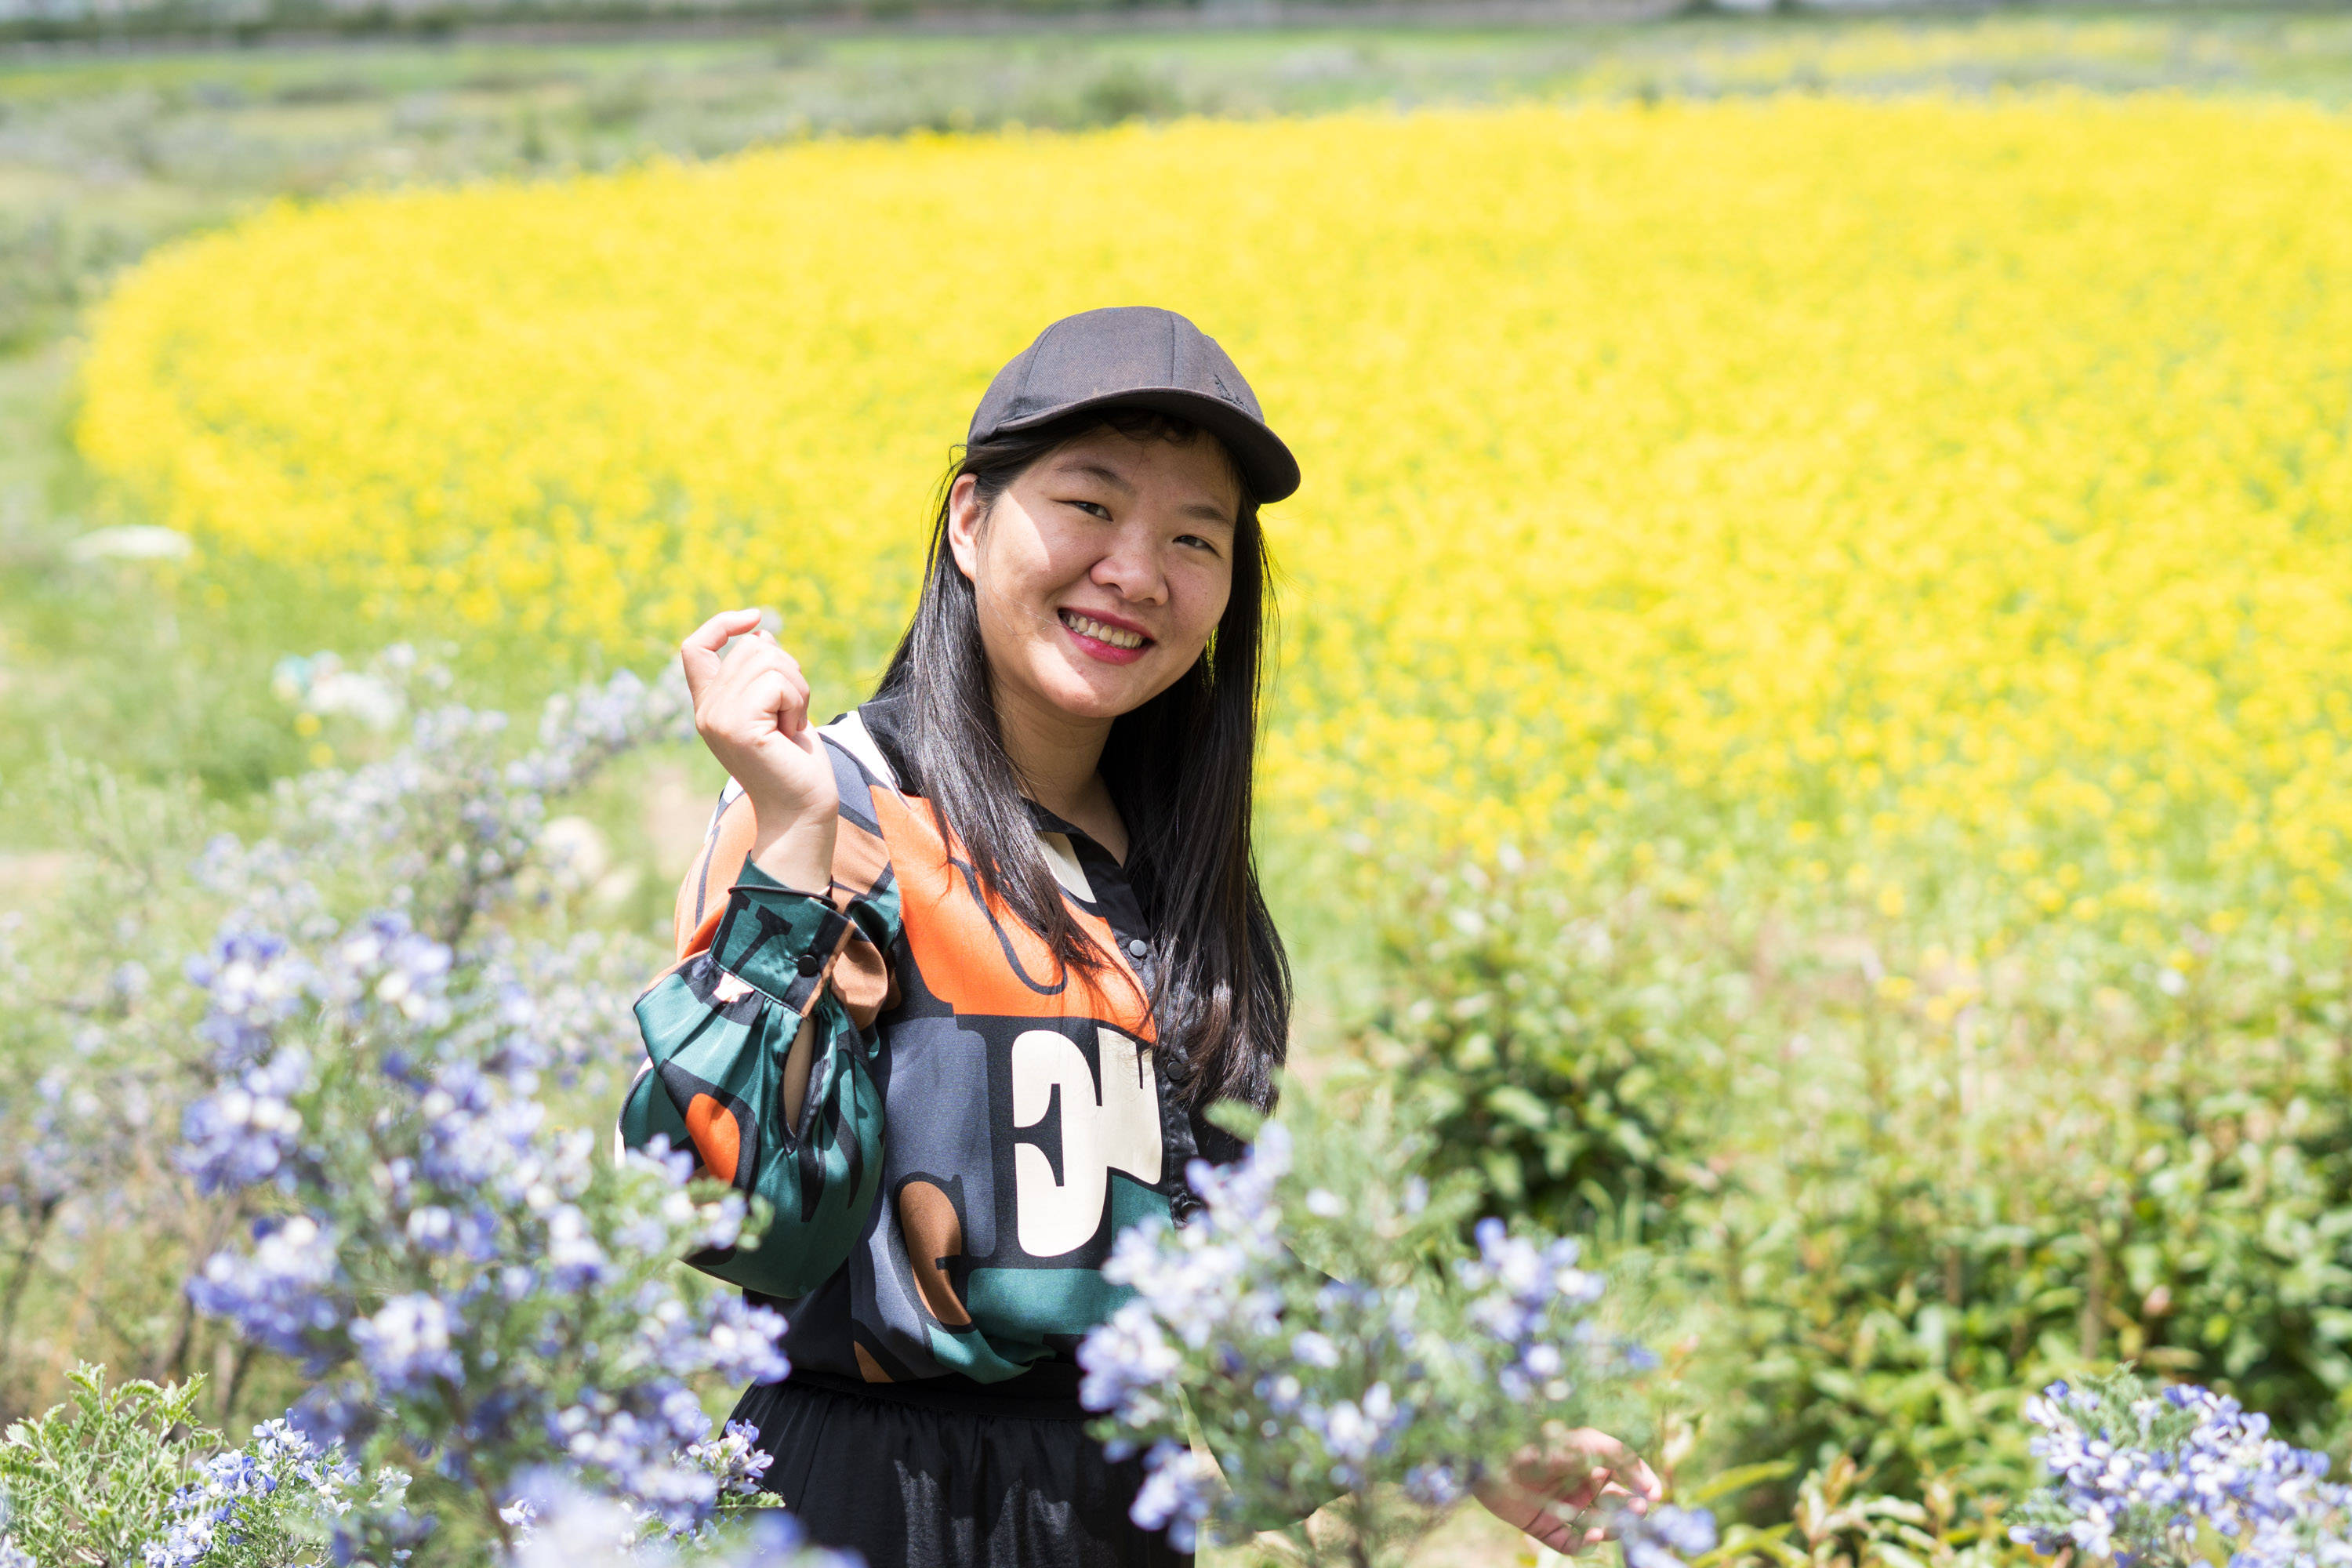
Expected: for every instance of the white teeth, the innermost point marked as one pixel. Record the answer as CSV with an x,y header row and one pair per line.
x,y
1086,626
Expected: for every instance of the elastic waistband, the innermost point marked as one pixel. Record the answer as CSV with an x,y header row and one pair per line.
x,y
962,1395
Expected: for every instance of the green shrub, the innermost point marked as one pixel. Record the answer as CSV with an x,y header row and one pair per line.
x,y
91,1482
1886,1188
1566,1041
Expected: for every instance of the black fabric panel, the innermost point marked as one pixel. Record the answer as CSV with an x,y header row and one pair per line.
x,y
907,1485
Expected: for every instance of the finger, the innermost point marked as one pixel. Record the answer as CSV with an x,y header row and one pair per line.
x,y
748,665
760,669
792,707
759,652
756,636
700,652
1543,1524
1571,1536
778,699
1560,1516
721,628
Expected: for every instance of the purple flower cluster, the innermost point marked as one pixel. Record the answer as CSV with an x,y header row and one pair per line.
x,y
1354,1431
1665,1537
384,961
1207,1283
1527,1297
733,1458
556,1523
631,1437
2138,1473
578,731
1203,1277
1206,1279
1259,1387
448,820
285,1293
508,1233
1180,1490
563,1008
65,1149
406,1344
224,1503
246,1131
253,982
455,1265
1435,1485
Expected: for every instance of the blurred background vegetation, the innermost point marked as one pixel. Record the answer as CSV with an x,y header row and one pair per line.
x,y
1866,1213
107,151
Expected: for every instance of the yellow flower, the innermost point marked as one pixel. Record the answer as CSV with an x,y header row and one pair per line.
x,y
1951,494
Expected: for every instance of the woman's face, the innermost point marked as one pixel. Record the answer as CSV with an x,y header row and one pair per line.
x,y
1102,569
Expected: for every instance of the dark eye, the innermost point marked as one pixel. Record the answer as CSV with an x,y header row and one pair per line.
x,y
1195,542
1093,508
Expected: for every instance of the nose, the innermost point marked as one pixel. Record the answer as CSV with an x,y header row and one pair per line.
x,y
1132,568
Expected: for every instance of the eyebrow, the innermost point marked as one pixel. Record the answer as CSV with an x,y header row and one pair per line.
x,y
1207,511
1108,475
1209,514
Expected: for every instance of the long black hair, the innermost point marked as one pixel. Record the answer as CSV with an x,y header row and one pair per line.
x,y
1179,769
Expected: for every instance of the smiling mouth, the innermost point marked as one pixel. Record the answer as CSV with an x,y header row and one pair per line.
x,y
1087,626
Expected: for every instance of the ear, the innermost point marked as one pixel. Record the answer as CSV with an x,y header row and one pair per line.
x,y
964,517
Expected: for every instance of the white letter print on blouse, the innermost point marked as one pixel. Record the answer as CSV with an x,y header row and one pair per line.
x,y
1117,1130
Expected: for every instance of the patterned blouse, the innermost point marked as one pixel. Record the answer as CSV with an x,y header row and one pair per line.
x,y
977,1127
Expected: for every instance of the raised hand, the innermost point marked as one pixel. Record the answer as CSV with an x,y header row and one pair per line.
x,y
751,707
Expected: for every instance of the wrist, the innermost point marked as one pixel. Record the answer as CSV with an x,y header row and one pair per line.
x,y
799,854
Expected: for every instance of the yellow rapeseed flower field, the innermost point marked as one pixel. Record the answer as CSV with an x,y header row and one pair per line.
x,y
1942,501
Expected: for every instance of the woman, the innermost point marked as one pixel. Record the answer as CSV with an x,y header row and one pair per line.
x,y
960,970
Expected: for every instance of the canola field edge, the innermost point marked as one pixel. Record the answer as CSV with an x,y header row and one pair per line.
x,y
1934,502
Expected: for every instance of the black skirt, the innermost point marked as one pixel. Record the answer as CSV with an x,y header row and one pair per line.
x,y
925,1477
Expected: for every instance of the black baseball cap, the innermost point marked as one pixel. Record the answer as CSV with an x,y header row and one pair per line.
x,y
1138,356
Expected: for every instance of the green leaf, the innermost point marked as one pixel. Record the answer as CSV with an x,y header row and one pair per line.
x,y
92,1483
1737,1479
1517,1104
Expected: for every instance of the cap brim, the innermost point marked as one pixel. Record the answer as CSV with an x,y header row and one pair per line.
x,y
1267,465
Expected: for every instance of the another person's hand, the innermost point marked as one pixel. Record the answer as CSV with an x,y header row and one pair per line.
x,y
750,708
1564,1496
